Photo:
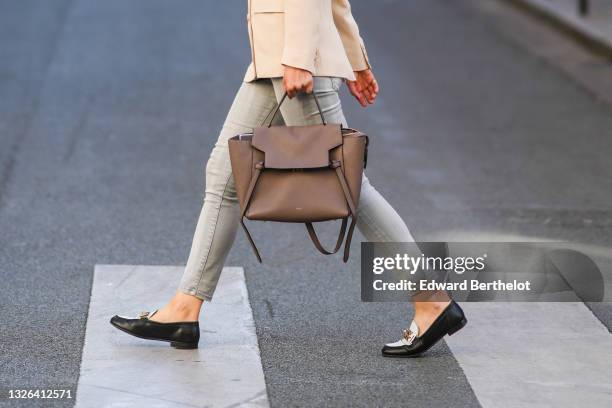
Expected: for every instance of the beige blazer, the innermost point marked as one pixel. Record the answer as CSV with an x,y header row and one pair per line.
x,y
320,36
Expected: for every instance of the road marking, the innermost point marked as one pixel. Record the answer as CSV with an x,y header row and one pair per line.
x,y
121,370
535,354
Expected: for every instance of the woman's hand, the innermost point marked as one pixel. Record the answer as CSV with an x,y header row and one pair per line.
x,y
364,88
296,80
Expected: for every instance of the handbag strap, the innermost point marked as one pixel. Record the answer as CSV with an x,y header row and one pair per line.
x,y
250,239
274,112
349,236
315,239
258,168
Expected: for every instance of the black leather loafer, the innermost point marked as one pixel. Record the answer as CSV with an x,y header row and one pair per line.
x,y
411,344
182,335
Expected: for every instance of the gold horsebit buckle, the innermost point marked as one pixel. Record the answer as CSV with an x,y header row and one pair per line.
x,y
408,336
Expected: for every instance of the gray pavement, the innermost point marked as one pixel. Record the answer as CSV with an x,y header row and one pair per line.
x,y
108,111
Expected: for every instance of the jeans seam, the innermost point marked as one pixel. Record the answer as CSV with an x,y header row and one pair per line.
x,y
376,228
333,84
203,267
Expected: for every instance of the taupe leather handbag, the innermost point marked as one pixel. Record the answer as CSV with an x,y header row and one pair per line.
x,y
300,174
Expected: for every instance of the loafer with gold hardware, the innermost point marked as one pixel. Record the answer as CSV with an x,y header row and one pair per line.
x,y
182,335
413,343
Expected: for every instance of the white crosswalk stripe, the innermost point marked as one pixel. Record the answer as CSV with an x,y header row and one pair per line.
x,y
535,355
120,370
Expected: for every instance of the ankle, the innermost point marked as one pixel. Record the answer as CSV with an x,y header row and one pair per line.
x,y
425,313
183,306
432,307
180,307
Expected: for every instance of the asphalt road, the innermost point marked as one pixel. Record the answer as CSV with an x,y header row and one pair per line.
x,y
108,111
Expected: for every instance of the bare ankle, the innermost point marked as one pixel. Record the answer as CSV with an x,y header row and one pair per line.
x,y
182,307
183,303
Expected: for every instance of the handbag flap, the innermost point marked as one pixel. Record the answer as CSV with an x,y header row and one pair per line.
x,y
297,147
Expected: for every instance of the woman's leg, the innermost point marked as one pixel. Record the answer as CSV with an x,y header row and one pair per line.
x,y
376,218
379,222
216,228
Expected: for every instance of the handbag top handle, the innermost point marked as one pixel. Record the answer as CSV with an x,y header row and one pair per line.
x,y
275,111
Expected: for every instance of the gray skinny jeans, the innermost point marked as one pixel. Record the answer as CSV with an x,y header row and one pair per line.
x,y
219,218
